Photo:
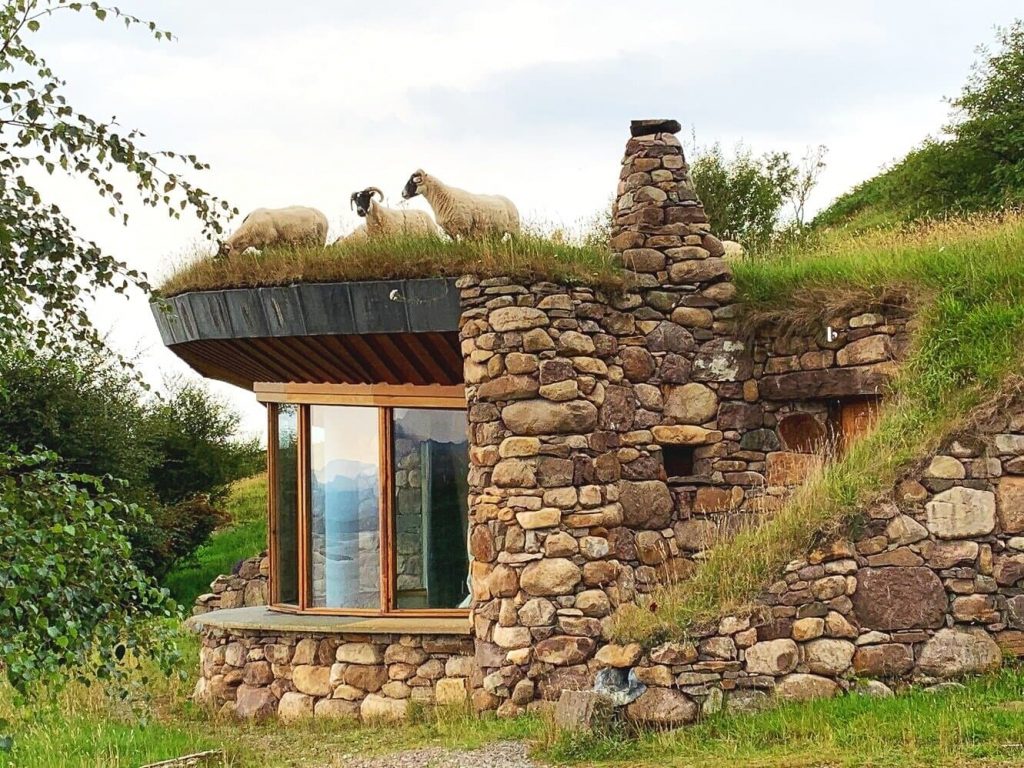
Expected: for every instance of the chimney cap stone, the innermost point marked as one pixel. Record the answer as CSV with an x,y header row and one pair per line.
x,y
647,127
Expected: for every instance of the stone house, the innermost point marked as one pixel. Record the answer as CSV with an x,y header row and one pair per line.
x,y
467,478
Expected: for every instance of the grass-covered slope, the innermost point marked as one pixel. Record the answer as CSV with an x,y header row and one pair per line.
x,y
966,283
243,536
527,257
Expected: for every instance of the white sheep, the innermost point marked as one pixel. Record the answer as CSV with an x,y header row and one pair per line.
x,y
268,227
355,236
733,250
383,222
463,214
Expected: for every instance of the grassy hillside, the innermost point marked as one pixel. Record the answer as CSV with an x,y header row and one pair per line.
x,y
966,282
975,164
245,535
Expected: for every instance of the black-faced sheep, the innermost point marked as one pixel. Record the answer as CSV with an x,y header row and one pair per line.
x,y
381,221
267,227
463,214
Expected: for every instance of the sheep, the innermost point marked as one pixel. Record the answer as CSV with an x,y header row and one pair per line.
x,y
267,227
463,214
733,250
356,235
381,221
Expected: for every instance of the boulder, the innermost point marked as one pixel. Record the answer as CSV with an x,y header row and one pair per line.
x,y
295,706
828,656
336,709
315,681
564,650
955,652
899,598
645,503
551,576
800,687
884,660
377,708
772,657
619,656
544,417
691,403
961,513
506,319
662,707
359,653
254,703
1010,503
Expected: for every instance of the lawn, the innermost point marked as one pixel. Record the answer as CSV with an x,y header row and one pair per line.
x,y
244,535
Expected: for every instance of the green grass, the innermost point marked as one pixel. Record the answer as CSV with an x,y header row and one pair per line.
x,y
245,535
972,727
966,282
81,727
527,257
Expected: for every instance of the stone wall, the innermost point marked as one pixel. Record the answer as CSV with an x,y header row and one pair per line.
x,y
614,436
247,585
256,674
931,589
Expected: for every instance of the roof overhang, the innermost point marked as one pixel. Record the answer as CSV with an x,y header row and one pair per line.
x,y
373,332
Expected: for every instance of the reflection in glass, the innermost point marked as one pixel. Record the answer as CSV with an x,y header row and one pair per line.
x,y
430,466
286,504
344,505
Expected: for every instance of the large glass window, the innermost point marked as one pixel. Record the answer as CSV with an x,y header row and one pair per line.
x,y
284,526
370,507
430,464
344,503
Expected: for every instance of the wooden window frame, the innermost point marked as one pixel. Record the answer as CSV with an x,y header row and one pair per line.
x,y
385,398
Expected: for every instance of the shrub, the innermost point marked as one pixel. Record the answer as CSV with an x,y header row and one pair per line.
x,y
176,456
70,594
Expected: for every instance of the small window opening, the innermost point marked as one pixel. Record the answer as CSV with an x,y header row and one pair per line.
x,y
678,460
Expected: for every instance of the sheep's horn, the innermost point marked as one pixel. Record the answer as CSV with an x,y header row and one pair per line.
x,y
352,201
371,190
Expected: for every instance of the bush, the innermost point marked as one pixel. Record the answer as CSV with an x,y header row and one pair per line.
x,y
976,165
176,456
70,594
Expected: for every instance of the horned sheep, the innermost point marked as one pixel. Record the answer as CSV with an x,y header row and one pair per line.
x,y
463,214
382,222
264,227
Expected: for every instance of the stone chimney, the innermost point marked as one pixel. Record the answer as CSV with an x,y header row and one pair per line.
x,y
659,228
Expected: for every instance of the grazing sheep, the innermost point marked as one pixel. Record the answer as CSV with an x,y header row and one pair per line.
x,y
733,250
381,221
267,227
356,235
463,214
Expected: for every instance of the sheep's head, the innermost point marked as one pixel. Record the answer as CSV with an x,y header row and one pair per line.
x,y
361,200
414,185
224,249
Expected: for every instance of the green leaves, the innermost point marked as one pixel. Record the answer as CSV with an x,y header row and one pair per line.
x,y
50,268
70,596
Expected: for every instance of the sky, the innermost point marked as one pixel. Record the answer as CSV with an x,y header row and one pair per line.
x,y
302,103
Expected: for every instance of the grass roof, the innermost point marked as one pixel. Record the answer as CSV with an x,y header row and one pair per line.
x,y
526,257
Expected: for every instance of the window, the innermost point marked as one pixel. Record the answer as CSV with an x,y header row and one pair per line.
x,y
369,505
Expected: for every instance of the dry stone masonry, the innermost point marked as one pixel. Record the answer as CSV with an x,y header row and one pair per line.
x,y
613,438
246,586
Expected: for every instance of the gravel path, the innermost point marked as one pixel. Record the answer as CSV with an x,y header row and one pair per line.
x,y
500,754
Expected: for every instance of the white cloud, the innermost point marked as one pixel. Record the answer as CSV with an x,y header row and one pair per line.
x,y
304,103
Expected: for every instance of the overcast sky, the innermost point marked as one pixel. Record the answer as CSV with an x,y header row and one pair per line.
x,y
304,102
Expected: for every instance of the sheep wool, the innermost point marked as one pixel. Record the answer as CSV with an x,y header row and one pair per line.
x,y
268,227
464,214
